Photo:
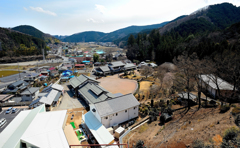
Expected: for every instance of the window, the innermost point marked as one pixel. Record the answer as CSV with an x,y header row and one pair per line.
x,y
106,118
116,114
125,111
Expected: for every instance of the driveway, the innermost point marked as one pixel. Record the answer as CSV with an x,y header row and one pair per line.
x,y
68,101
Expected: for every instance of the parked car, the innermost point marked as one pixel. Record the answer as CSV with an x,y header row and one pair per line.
x,y
2,121
9,110
14,110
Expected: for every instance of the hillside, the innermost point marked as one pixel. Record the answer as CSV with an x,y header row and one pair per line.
x,y
18,44
88,36
220,15
193,34
36,33
94,36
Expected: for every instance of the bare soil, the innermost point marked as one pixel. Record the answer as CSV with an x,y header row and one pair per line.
x,y
116,85
185,127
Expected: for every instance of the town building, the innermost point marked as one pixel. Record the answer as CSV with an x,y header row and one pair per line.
x,y
30,94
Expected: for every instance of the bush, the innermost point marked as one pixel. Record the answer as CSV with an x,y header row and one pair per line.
x,y
231,133
197,144
236,110
224,108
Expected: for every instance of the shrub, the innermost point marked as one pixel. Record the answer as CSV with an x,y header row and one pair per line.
x,y
197,144
224,108
230,133
236,111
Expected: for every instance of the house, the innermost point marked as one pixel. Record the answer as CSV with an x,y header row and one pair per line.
x,y
31,77
117,110
52,68
130,66
92,93
16,87
45,73
43,78
103,70
116,66
97,64
36,128
54,73
52,100
5,97
30,94
78,82
69,66
212,83
79,66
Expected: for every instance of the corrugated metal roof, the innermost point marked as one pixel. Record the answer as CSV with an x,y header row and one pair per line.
x,y
130,66
115,105
212,80
30,90
49,99
96,90
117,64
57,97
104,68
57,87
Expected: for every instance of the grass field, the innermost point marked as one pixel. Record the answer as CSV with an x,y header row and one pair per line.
x,y
7,73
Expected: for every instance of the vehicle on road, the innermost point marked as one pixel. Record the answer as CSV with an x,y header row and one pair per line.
x,y
14,110
2,122
8,110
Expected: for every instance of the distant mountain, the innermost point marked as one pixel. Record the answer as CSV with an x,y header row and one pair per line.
x,y
88,36
36,33
60,37
14,43
94,36
220,15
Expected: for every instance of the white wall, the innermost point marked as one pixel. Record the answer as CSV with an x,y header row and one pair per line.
x,y
121,116
95,113
29,98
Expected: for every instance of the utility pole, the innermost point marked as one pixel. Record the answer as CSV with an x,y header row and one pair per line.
x,y
43,55
19,72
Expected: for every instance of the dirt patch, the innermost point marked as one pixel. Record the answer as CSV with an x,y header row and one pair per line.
x,y
77,116
145,85
186,127
117,85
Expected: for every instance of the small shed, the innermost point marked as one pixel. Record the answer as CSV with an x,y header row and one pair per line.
x,y
119,131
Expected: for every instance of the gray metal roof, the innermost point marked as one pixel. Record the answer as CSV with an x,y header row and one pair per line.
x,y
212,80
76,81
30,90
57,96
35,101
130,66
116,104
104,68
117,64
91,96
20,82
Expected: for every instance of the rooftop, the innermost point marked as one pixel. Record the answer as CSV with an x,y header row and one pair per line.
x,y
30,90
76,81
116,104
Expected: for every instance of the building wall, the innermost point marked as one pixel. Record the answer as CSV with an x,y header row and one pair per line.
x,y
95,113
121,116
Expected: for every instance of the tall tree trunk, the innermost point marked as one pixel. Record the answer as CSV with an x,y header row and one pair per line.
x,y
199,99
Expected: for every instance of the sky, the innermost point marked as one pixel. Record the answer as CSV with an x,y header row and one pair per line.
x,y
67,17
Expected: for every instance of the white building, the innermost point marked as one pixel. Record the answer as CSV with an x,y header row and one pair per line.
x,y
30,94
37,129
116,110
212,83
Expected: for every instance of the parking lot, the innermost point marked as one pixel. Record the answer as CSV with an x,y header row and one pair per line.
x,y
9,117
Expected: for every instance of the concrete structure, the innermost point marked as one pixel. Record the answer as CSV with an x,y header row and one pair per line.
x,y
213,83
36,128
116,110
30,94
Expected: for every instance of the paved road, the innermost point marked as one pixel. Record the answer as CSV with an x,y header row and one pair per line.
x,y
68,102
14,77
9,117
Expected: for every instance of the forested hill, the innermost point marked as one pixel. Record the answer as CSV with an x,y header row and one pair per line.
x,y
88,36
94,36
207,35
18,44
36,33
220,15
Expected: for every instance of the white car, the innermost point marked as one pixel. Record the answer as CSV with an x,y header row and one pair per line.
x,y
2,121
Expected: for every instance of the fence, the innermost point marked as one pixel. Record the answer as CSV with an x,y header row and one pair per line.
x,y
15,104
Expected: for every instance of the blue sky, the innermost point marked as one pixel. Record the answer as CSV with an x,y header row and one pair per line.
x,y
66,17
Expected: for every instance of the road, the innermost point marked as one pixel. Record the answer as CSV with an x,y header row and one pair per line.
x,y
9,117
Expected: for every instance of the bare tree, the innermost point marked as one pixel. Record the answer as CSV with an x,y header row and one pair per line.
x,y
185,74
146,71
